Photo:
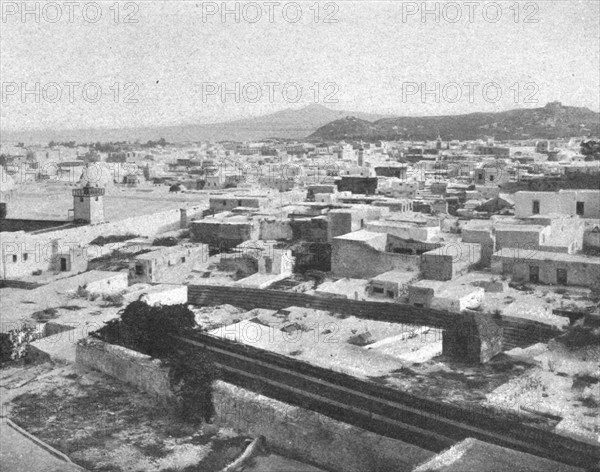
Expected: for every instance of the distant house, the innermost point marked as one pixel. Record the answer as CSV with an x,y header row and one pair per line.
x,y
314,190
441,296
222,180
229,203
496,204
584,203
154,266
497,151
133,180
550,233
491,175
396,171
357,184
224,233
271,258
450,260
547,267
390,284
364,254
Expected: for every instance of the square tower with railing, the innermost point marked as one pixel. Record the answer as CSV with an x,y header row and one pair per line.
x,y
88,204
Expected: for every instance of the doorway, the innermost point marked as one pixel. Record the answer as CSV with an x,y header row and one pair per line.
x,y
534,274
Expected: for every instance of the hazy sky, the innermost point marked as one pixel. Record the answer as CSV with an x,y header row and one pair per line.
x,y
364,60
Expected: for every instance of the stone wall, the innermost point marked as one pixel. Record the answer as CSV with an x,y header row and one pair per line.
x,y
229,203
483,237
41,245
129,366
15,224
218,233
526,237
290,430
346,220
310,436
405,231
518,332
357,260
276,230
449,261
314,230
476,338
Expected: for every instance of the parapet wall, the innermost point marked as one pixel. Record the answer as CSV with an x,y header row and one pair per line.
x,y
129,366
312,437
290,430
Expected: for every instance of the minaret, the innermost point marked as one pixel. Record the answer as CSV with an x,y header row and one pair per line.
x,y
88,204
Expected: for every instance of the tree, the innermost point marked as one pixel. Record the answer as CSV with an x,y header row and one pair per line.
x,y
191,376
591,150
150,144
152,331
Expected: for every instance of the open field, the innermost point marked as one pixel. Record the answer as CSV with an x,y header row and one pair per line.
x,y
53,201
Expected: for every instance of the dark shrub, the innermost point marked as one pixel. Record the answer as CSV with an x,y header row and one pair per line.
x,y
44,315
147,329
115,238
166,241
191,375
150,330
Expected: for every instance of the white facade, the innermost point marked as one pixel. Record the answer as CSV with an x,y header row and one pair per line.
x,y
585,203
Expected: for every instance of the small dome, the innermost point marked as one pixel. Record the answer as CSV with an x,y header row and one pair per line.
x,y
96,174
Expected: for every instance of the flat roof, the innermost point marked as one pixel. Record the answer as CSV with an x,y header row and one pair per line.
x,y
433,284
361,235
447,289
563,190
443,250
396,224
344,286
523,228
166,250
477,225
228,221
535,255
395,276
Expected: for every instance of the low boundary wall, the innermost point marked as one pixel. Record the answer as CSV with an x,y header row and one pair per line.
x,y
517,332
290,430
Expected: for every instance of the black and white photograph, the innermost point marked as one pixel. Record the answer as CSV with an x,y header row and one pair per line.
x,y
299,236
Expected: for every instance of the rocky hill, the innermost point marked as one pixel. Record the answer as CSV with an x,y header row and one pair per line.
x,y
552,121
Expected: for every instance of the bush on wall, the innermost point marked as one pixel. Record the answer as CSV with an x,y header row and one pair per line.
x,y
15,343
150,330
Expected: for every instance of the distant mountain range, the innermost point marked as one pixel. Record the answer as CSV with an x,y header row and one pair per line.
x,y
552,121
287,124
319,123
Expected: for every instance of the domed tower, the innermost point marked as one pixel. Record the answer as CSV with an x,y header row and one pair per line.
x,y
88,204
